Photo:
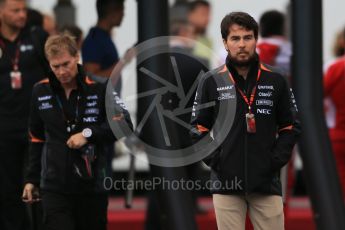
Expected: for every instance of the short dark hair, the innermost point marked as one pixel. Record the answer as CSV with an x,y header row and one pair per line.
x,y
105,7
193,5
240,18
272,23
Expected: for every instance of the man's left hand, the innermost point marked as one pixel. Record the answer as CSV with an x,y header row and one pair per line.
x,y
76,141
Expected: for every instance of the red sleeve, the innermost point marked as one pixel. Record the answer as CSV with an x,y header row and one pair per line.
x,y
333,75
268,53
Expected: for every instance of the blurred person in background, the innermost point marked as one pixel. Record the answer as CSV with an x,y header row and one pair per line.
x,y
34,18
334,93
198,15
49,24
99,52
20,68
338,49
273,47
339,44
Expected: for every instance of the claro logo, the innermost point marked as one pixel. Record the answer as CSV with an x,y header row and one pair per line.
x,y
265,94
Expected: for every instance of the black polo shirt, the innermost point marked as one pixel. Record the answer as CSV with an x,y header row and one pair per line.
x,y
14,103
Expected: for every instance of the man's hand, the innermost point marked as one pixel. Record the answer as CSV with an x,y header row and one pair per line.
x,y
30,194
76,141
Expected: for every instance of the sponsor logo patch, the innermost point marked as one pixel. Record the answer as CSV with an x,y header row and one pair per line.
x,y
91,104
92,97
24,48
45,105
45,98
226,96
264,102
265,94
89,119
228,87
264,111
266,87
90,111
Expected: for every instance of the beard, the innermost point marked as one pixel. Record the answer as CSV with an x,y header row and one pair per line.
x,y
241,63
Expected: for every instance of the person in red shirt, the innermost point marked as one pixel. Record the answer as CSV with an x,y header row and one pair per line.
x,y
273,47
334,84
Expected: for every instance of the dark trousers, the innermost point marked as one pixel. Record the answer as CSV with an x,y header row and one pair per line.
x,y
74,211
13,214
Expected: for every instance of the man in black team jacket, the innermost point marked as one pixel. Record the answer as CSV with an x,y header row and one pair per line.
x,y
248,162
69,130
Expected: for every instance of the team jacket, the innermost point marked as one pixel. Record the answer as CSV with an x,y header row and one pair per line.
x,y
245,162
51,162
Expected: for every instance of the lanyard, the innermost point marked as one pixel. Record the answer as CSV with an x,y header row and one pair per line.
x,y
15,60
249,101
68,120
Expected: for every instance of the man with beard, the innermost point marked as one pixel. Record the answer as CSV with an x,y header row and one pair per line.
x,y
245,167
21,66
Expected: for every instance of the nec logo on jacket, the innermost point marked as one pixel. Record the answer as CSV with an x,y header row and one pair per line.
x,y
264,111
90,119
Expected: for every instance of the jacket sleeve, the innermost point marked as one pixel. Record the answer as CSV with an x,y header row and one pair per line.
x,y
103,132
288,128
36,142
331,79
202,118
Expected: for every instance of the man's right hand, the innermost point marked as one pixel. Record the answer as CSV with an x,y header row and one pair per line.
x,y
29,194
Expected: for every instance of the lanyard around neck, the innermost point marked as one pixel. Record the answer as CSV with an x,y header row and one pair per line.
x,y
249,101
63,107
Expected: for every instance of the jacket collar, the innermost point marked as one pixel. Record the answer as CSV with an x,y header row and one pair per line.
x,y
56,86
253,68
